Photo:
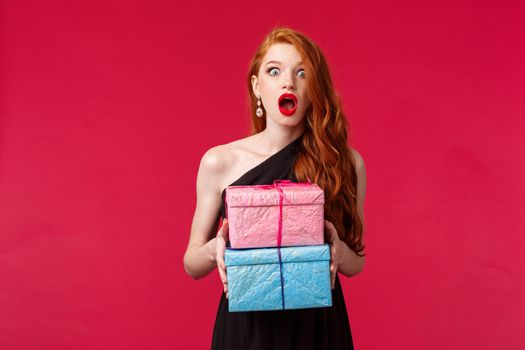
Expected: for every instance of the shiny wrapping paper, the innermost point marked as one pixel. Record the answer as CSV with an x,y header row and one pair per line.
x,y
255,283
253,215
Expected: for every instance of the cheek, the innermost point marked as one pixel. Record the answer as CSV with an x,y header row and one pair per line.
x,y
269,87
306,103
268,90
263,87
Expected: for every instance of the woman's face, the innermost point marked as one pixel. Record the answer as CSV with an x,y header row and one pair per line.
x,y
281,85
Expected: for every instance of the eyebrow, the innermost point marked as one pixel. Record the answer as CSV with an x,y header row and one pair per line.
x,y
267,63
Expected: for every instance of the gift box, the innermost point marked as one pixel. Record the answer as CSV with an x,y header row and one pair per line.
x,y
283,214
278,278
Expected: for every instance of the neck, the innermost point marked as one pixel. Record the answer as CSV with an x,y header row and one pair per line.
x,y
274,139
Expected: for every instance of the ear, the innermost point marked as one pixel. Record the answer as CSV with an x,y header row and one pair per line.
x,y
255,86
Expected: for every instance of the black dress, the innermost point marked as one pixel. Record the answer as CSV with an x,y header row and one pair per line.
x,y
315,329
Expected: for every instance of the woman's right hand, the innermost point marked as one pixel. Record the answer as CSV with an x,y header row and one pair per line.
x,y
222,239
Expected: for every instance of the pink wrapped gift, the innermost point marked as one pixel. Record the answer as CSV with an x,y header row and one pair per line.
x,y
283,214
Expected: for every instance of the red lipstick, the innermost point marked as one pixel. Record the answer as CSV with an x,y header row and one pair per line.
x,y
287,104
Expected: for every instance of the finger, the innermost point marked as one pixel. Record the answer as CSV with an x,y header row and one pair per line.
x,y
223,276
221,265
334,254
333,271
334,277
329,225
220,248
333,266
225,288
219,257
224,228
330,231
333,233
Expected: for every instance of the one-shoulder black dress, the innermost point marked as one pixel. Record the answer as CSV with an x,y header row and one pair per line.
x,y
325,328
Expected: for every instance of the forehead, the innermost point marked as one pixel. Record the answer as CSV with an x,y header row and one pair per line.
x,y
282,52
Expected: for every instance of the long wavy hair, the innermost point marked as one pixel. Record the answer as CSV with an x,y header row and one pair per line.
x,y
325,157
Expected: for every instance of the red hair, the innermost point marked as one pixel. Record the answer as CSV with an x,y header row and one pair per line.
x,y
325,157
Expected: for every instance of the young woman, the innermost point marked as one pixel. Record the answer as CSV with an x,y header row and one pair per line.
x,y
299,132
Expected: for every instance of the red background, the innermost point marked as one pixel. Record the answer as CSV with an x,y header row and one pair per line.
x,y
106,108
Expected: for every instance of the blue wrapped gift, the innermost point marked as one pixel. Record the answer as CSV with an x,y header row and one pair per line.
x,y
278,278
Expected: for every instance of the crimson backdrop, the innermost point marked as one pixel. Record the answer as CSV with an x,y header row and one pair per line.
x,y
107,106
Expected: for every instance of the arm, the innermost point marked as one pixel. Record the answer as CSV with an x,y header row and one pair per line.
x,y
346,260
200,256
350,263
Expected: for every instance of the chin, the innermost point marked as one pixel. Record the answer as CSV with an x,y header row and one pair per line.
x,y
289,121
286,120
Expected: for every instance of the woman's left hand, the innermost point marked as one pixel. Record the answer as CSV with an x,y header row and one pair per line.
x,y
335,249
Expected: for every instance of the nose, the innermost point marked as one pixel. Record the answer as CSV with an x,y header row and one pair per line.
x,y
288,82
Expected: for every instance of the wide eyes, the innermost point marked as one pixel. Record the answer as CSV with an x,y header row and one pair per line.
x,y
275,71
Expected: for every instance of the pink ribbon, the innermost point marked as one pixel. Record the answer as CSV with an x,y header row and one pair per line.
x,y
278,184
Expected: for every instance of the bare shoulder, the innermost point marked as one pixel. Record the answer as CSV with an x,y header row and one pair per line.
x,y
221,157
359,161
216,159
213,166
219,163
361,177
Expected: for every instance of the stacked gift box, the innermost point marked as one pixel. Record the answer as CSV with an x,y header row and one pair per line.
x,y
277,258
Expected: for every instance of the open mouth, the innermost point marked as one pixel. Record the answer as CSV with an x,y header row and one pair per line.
x,y
287,104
